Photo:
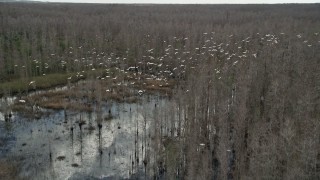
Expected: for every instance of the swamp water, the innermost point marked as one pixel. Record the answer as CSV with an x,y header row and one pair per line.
x,y
56,146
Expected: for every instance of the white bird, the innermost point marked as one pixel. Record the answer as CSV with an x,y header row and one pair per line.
x,y
140,92
22,101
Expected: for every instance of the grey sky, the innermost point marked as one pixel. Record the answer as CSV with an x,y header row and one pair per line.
x,y
188,1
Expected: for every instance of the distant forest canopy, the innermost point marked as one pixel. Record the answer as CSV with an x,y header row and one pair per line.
x,y
36,38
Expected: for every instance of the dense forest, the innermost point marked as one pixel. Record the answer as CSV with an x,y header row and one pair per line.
x,y
246,91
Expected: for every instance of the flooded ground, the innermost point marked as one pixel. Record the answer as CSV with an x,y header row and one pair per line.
x,y
72,145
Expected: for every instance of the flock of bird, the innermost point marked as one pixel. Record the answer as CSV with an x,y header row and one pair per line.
x,y
176,60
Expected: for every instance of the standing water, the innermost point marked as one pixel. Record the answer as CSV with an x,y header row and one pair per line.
x,y
81,145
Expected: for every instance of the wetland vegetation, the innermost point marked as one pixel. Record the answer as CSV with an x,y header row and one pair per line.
x,y
92,91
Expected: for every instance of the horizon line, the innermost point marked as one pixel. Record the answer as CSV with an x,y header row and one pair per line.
x,y
154,3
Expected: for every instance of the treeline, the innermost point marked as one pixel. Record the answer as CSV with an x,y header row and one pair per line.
x,y
42,38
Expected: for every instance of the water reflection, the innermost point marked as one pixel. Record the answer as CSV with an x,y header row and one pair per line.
x,y
111,143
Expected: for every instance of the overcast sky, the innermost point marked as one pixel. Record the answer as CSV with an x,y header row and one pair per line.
x,y
188,1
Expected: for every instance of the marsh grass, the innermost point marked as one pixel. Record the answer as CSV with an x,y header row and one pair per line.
x,y
82,96
20,86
